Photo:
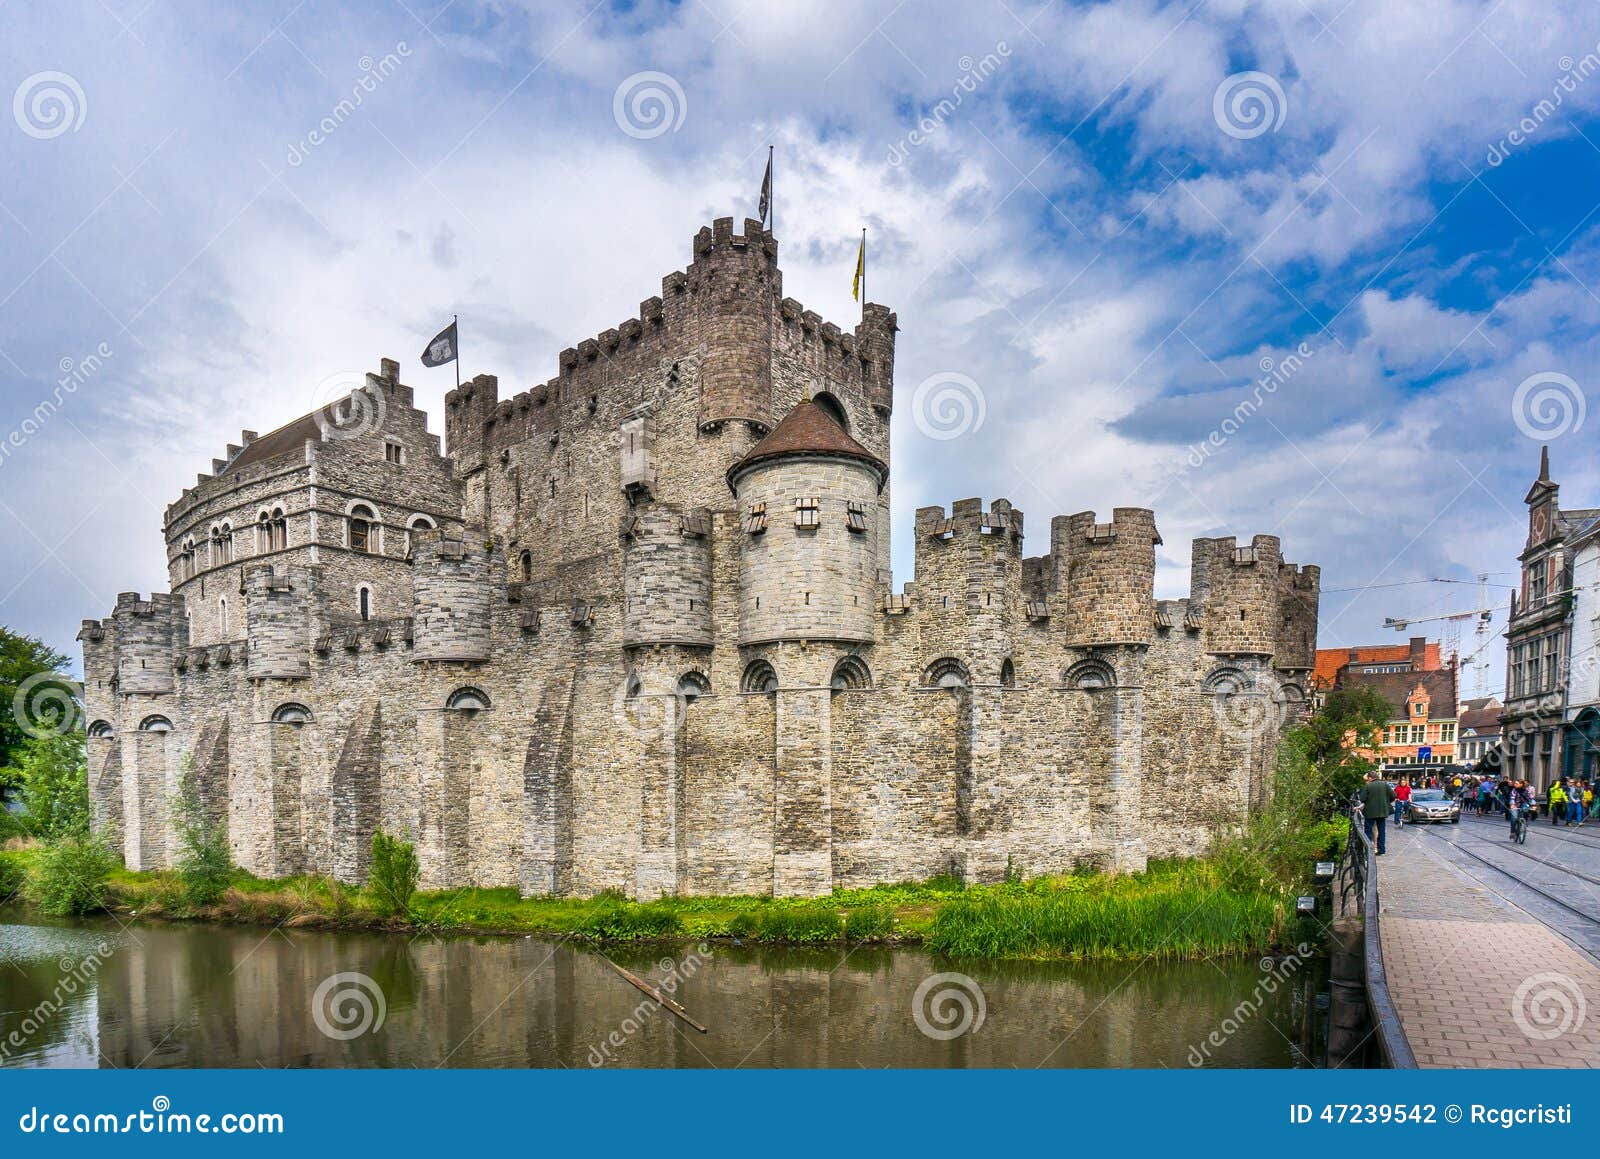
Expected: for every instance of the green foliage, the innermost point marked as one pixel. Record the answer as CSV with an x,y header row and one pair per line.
x,y
1153,915
792,923
13,875
20,658
70,875
625,921
205,863
873,923
54,774
395,873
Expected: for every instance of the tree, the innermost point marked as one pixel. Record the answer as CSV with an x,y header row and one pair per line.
x,y
1350,720
47,701
55,786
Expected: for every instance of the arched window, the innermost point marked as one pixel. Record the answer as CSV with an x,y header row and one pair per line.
x,y
415,524
263,531
947,673
364,602
186,567
850,673
155,724
1226,682
361,529
468,700
833,408
1090,674
525,566
1008,673
759,676
291,713
693,684
225,544
222,615
100,728
280,529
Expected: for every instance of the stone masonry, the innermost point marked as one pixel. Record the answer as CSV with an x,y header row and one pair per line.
x,y
634,628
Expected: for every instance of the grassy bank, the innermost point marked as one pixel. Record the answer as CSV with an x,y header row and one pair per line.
x,y
1173,910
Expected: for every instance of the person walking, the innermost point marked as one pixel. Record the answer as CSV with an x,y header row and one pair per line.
x,y
1558,802
1574,802
1402,794
1588,801
1377,798
1520,799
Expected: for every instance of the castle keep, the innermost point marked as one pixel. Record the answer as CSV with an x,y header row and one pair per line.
x,y
634,629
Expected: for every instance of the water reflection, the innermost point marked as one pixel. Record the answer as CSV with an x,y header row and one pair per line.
x,y
178,996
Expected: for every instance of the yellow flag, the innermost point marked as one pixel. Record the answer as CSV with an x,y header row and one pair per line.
x,y
861,269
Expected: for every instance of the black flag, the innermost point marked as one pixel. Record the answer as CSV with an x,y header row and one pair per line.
x,y
765,207
442,349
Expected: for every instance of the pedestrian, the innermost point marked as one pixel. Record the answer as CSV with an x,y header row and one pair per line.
x,y
1588,799
1574,802
1377,798
1402,794
1558,802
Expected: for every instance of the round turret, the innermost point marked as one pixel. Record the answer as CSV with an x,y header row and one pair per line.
x,y
809,528
734,280
666,574
144,643
1110,580
450,597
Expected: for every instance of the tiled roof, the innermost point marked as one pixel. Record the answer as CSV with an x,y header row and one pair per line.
x,y
1396,688
1330,660
285,440
808,430
1484,718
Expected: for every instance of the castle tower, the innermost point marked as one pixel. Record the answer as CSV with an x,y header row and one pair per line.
x,y
144,643
666,574
969,583
277,615
808,506
1109,571
1237,590
451,587
735,283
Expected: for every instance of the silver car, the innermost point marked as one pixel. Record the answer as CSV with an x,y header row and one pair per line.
x,y
1431,805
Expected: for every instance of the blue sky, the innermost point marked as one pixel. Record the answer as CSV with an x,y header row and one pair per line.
x,y
1132,209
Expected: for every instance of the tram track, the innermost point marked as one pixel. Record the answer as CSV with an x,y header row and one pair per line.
x,y
1553,899
1574,837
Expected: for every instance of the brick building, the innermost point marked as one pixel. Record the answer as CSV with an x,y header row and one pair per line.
x,y
634,628
1420,692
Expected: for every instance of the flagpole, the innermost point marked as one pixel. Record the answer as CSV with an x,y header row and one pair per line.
x,y
863,273
772,198
455,320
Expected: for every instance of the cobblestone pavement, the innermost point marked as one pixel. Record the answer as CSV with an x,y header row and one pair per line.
x,y
1478,980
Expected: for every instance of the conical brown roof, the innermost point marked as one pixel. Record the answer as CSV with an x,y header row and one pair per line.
x,y
808,430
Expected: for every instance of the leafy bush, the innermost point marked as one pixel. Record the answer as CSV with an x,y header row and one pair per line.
x,y
13,876
626,921
55,786
801,924
69,876
205,863
395,873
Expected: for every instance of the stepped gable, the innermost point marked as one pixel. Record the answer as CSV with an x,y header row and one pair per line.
x,y
287,439
808,430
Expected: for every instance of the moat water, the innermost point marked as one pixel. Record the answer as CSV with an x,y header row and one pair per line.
x,y
97,994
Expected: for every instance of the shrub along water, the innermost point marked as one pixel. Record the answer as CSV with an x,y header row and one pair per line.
x,y
69,876
395,873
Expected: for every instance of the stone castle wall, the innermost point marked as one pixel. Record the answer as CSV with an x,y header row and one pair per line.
x,y
584,567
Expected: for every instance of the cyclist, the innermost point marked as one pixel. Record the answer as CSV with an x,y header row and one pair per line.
x,y
1517,799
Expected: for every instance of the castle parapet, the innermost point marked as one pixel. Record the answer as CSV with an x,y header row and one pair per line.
x,y
453,577
278,619
1107,572
1238,590
144,642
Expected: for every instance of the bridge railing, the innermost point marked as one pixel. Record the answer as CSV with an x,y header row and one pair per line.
x,y
1357,883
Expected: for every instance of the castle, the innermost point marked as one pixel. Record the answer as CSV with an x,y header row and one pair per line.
x,y
635,629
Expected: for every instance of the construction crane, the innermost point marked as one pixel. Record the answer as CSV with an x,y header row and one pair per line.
x,y
1450,636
